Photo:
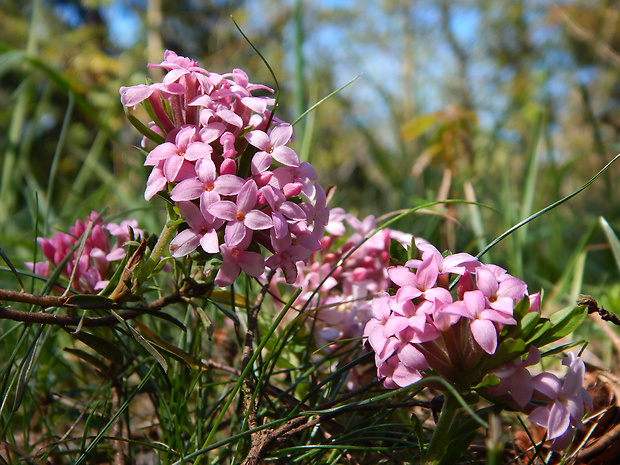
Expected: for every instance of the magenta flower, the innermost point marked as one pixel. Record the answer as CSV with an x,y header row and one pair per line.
x,y
90,271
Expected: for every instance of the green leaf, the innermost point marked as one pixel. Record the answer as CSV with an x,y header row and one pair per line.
x,y
165,316
508,350
206,322
102,346
145,131
612,239
223,297
417,126
489,380
25,371
12,268
398,254
89,358
541,327
143,342
528,323
419,431
562,348
91,302
563,323
463,438
176,353
522,309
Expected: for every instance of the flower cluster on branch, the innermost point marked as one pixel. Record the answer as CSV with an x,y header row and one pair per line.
x,y
423,329
223,159
87,251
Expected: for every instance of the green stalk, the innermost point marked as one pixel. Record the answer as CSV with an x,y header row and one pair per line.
x,y
242,377
166,236
441,436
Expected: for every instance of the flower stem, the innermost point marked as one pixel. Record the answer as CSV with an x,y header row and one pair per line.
x,y
441,436
167,234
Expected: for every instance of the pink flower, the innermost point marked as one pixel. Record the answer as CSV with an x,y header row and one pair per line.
x,y
568,400
202,231
90,270
499,287
273,146
207,185
204,118
176,155
121,231
474,307
237,258
242,217
516,379
286,256
282,211
418,284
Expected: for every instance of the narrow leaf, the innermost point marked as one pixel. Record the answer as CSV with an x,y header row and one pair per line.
x,y
101,346
223,297
145,131
88,358
175,352
206,322
563,323
612,239
25,371
12,268
546,209
143,342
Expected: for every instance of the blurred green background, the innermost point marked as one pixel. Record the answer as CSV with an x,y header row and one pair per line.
x,y
511,104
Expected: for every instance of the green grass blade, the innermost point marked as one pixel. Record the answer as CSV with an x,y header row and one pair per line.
x,y
612,239
117,414
546,209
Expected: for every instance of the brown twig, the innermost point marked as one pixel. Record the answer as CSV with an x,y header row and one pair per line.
x,y
590,303
188,290
248,391
63,320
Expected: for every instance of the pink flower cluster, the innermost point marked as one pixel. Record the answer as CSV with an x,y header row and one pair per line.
x,y
226,164
423,329
90,269
422,326
343,301
554,404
